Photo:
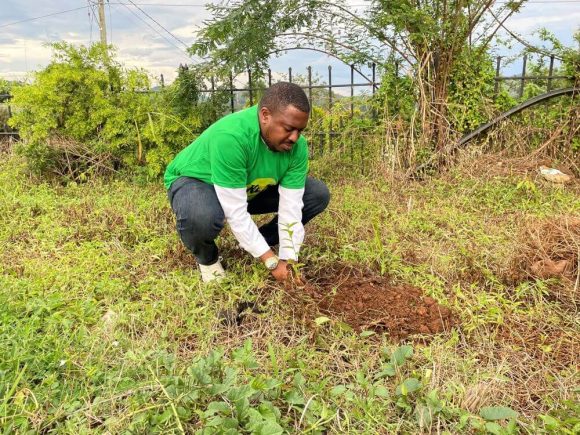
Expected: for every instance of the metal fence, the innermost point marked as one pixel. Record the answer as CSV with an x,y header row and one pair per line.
x,y
523,78
5,115
372,82
309,86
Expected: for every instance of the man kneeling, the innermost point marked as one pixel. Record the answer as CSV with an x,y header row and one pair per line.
x,y
251,162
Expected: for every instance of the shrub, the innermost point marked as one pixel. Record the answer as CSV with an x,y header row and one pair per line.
x,y
84,97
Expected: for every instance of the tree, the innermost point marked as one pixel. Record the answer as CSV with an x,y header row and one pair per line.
x,y
428,36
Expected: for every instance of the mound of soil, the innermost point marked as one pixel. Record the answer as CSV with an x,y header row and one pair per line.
x,y
548,249
368,302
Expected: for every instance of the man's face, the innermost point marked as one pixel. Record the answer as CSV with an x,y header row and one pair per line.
x,y
281,129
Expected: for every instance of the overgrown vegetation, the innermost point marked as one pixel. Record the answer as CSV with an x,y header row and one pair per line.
x,y
437,73
85,114
106,326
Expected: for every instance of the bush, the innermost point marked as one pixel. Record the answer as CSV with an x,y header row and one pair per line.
x,y
84,97
471,91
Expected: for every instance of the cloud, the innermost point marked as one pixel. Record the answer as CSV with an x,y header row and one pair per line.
x,y
149,46
528,25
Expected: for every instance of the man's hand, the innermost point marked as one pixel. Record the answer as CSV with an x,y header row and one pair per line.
x,y
281,272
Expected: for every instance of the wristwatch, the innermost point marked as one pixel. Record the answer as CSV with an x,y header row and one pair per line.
x,y
271,263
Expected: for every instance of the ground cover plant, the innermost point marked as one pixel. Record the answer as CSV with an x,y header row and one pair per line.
x,y
105,326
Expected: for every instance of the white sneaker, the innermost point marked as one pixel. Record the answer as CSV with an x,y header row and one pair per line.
x,y
213,272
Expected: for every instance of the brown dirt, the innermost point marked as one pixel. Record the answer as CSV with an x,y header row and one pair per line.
x,y
548,249
367,302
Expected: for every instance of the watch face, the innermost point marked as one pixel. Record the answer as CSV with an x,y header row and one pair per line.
x,y
271,265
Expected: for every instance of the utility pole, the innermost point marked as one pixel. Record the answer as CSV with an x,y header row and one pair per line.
x,y
102,24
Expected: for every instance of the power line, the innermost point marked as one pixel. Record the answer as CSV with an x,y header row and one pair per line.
x,y
93,17
90,24
183,52
357,5
203,5
43,16
156,22
524,42
110,21
184,5
546,1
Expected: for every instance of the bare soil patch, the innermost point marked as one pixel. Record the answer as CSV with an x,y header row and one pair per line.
x,y
368,302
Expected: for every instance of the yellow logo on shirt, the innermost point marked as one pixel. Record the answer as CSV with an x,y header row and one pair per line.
x,y
258,185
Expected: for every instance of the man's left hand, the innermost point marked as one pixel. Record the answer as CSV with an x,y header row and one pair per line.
x,y
281,271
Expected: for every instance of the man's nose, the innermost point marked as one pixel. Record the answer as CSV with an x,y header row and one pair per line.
x,y
294,135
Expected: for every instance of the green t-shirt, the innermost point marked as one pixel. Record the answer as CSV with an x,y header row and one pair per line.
x,y
231,153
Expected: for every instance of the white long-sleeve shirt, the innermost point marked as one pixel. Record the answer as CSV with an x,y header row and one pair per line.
x,y
234,203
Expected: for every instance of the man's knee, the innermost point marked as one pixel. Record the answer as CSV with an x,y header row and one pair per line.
x,y
203,223
317,194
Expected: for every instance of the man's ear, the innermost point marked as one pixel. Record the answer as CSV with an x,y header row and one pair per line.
x,y
265,114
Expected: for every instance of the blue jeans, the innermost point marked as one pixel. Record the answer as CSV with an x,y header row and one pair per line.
x,y
200,217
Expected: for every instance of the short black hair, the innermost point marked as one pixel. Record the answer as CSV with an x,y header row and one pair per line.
x,y
282,94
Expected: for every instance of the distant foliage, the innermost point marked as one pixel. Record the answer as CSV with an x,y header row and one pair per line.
x,y
471,90
84,113
4,86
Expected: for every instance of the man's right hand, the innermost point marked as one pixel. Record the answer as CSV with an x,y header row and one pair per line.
x,y
281,272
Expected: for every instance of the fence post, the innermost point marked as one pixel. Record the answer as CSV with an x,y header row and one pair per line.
x,y
269,77
330,106
310,89
374,69
162,82
523,82
351,91
250,87
290,74
231,92
551,73
497,68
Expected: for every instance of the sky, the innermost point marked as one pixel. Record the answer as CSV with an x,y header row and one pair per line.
x,y
142,42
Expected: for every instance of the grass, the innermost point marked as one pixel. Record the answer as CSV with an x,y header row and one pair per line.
x,y
105,326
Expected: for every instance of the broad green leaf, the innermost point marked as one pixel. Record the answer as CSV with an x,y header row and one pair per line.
x,y
270,428
242,408
269,411
321,320
344,326
258,383
494,428
423,415
217,389
401,354
338,390
215,422
217,407
293,397
230,423
254,418
238,393
492,413
550,422
298,380
388,370
408,386
381,391
366,334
